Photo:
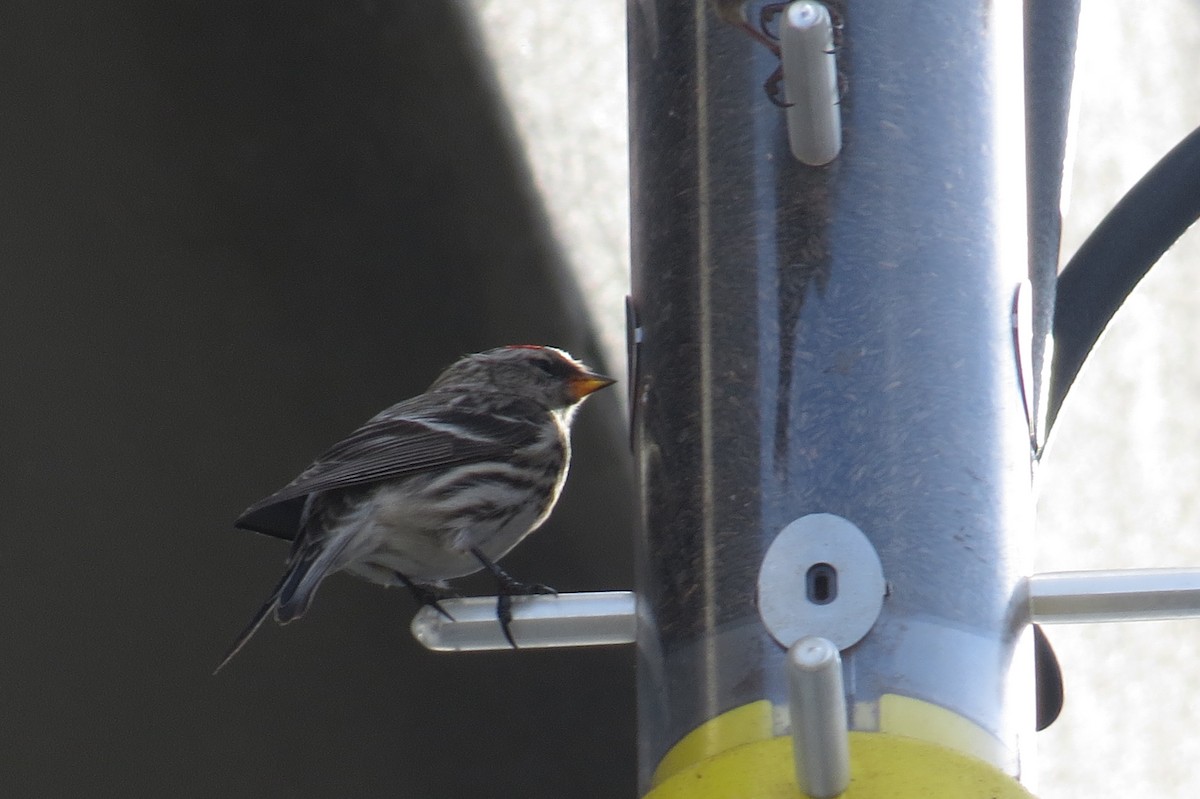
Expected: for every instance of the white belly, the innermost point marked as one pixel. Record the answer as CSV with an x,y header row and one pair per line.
x,y
394,534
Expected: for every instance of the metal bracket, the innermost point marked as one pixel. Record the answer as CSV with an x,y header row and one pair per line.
x,y
820,726
539,622
810,83
610,617
820,576
1104,596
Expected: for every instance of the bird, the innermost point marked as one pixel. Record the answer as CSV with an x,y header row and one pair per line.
x,y
437,486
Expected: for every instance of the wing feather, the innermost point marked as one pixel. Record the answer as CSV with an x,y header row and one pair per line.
x,y
388,446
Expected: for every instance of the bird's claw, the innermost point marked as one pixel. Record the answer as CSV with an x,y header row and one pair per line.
x,y
768,34
530,589
508,587
436,604
767,15
428,595
773,88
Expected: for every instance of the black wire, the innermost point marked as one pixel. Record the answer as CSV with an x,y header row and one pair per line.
x,y
1122,248
1051,30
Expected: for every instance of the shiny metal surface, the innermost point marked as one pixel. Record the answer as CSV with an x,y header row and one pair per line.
x,y
593,618
1106,596
817,699
820,577
810,82
833,339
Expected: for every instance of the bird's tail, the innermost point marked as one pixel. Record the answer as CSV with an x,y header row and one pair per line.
x,y
311,565
294,593
255,623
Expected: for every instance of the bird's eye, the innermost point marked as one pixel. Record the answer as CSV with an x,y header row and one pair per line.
x,y
555,367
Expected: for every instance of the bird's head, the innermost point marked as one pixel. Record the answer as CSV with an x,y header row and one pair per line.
x,y
546,375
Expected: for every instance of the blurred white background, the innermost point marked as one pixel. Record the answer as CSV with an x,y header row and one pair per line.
x,y
1118,486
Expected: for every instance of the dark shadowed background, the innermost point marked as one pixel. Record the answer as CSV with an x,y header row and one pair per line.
x,y
230,233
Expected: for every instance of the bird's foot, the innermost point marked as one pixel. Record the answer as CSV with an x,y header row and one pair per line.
x,y
428,595
508,587
774,89
504,602
766,16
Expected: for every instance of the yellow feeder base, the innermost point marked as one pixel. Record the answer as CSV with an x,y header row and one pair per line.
x,y
923,751
881,765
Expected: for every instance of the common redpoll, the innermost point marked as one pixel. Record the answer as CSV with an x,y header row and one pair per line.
x,y
436,487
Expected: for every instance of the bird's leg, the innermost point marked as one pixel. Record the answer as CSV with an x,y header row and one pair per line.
x,y
767,41
427,594
773,88
508,587
773,85
766,16
732,13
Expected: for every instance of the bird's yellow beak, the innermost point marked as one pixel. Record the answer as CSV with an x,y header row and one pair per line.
x,y
588,382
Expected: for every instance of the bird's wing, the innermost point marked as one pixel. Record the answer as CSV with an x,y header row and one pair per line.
x,y
387,447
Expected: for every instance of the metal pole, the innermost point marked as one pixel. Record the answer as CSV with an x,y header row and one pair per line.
x,y
818,718
832,340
